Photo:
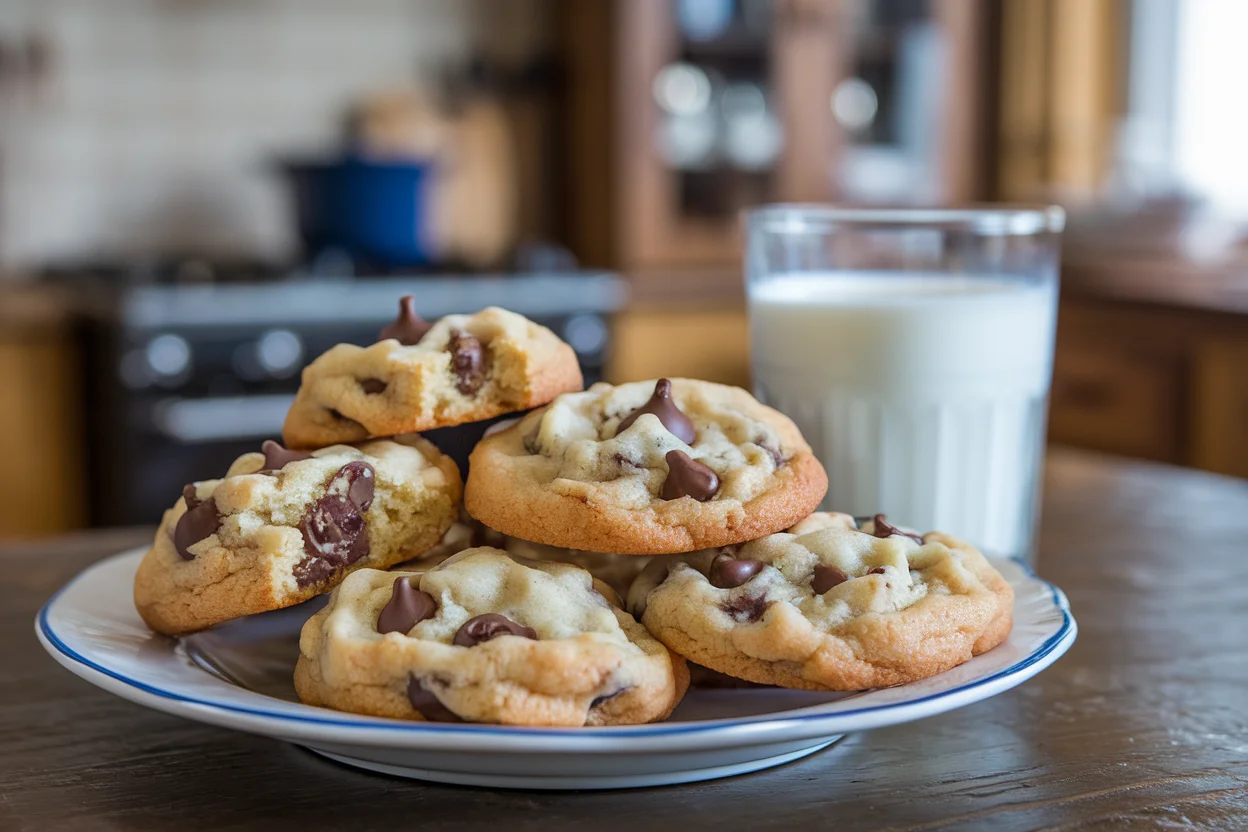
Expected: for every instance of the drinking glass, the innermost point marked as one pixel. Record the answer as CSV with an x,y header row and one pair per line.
x,y
914,349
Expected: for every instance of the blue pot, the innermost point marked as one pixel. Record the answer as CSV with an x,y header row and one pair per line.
x,y
377,212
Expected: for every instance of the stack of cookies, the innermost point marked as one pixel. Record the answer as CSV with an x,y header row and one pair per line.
x,y
630,529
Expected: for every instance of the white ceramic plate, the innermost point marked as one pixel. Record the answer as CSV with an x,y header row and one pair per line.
x,y
238,676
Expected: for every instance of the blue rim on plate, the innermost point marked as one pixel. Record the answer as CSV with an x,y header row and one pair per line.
x,y
1057,640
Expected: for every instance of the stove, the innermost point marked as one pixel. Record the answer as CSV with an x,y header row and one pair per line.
x,y
181,377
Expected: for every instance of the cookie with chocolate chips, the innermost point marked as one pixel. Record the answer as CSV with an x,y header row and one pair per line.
x,y
283,526
647,468
422,375
828,605
486,637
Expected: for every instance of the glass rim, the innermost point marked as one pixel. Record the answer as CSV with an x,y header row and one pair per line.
x,y
990,219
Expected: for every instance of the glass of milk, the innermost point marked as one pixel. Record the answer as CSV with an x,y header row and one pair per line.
x,y
914,349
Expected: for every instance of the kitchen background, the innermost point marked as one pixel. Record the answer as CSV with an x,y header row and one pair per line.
x,y
198,196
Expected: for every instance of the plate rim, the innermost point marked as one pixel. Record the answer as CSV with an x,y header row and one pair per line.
x,y
807,722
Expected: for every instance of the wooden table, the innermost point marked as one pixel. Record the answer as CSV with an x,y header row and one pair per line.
x,y
1143,725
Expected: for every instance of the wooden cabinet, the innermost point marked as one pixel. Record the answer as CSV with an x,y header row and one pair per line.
x,y
1220,405
1161,381
711,345
42,474
1116,400
679,115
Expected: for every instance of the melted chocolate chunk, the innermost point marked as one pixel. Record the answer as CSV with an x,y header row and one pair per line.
x,y
883,528
827,577
489,626
373,386
661,405
334,532
687,477
409,327
745,608
407,607
879,570
361,483
188,494
195,525
467,362
728,572
427,704
276,457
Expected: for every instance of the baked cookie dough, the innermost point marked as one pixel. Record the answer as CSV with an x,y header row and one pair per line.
x,y
486,637
645,468
420,376
828,605
283,526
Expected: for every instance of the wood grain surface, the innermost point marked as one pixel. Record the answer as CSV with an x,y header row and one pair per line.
x,y
1143,725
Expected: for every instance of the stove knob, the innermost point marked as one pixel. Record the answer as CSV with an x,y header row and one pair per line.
x,y
168,357
279,352
586,334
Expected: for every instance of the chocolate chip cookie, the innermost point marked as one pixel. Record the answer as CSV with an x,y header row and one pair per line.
x,y
421,375
646,468
486,637
283,526
829,605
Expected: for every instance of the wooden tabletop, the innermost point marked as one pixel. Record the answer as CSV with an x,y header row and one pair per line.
x,y
1143,725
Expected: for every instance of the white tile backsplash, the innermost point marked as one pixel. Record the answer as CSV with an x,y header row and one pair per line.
x,y
162,118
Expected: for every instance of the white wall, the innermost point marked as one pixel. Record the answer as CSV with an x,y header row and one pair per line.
x,y
159,120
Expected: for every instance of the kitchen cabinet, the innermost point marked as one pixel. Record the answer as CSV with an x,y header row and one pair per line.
x,y
706,344
1156,370
42,474
678,115
1220,404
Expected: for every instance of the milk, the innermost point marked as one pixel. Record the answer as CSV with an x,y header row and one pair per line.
x,y
924,395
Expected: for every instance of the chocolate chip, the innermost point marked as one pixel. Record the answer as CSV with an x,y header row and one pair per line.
x,y
489,626
276,457
189,494
409,327
467,362
660,404
361,483
688,478
879,570
373,386
427,704
407,607
195,525
335,534
883,528
728,572
827,577
745,608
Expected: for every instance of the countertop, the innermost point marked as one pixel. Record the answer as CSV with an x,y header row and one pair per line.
x,y
1143,725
